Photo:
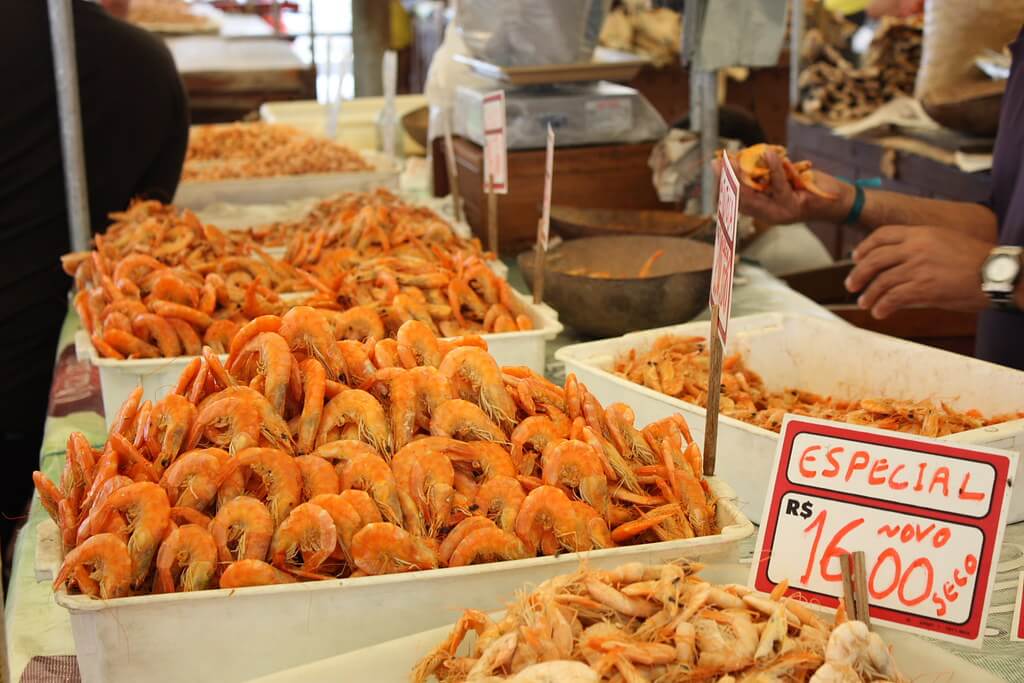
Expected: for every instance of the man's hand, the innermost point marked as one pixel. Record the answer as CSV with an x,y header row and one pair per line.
x,y
898,266
780,204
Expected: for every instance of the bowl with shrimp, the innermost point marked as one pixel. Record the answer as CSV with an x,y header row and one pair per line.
x,y
608,286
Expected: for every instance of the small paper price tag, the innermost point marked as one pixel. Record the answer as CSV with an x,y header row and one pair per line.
x,y
725,246
544,227
929,516
495,151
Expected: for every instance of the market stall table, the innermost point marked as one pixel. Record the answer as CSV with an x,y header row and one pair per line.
x,y
227,78
37,627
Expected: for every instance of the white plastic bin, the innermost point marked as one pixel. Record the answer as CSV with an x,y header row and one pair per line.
x,y
235,635
828,357
526,348
119,378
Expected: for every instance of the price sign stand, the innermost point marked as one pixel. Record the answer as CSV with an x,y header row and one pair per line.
x,y
452,167
495,160
929,516
492,216
544,225
720,301
855,587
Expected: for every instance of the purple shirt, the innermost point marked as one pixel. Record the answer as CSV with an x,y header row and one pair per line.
x,y
1001,335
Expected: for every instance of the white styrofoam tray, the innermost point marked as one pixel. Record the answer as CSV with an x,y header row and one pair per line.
x,y
196,194
392,661
828,357
234,635
159,376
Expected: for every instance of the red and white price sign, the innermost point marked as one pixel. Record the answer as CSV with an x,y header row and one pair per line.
x,y
544,227
725,245
929,515
1016,626
495,147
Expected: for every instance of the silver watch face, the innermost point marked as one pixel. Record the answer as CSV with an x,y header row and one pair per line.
x,y
1002,268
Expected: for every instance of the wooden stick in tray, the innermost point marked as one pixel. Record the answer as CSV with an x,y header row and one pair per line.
x,y
714,394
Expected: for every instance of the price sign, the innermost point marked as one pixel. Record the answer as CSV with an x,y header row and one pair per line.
x,y
495,151
928,514
544,227
725,245
1016,627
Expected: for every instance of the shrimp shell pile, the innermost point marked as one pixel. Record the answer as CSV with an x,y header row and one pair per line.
x,y
678,366
663,623
260,150
303,457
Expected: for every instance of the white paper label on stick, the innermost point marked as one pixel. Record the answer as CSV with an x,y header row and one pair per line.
x,y
495,150
929,516
725,246
544,227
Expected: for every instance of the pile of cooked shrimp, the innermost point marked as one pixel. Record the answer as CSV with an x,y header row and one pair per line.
x,y
161,284
303,457
679,366
260,150
657,623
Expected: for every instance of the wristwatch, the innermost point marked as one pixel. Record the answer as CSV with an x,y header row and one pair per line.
x,y
1000,274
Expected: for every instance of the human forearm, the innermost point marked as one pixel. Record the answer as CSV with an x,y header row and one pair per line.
x,y
891,208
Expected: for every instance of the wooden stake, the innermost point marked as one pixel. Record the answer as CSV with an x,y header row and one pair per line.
x,y
539,259
860,588
849,592
714,393
492,216
453,168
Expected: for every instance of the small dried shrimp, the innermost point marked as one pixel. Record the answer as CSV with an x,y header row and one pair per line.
x,y
304,458
678,366
656,623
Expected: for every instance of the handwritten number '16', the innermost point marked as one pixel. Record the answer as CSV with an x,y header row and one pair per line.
x,y
832,550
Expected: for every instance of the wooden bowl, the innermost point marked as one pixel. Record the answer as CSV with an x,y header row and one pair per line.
x,y
676,290
573,222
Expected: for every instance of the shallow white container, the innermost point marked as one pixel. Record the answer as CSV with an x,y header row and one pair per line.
x,y
526,348
196,194
119,378
391,661
828,357
235,635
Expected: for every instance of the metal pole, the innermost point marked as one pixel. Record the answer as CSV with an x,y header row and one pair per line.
x,y
708,136
796,36
65,70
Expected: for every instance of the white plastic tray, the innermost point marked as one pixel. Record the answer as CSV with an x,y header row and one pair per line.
x,y
235,635
824,356
392,661
196,194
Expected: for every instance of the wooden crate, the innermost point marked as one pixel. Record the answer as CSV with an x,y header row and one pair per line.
x,y
603,177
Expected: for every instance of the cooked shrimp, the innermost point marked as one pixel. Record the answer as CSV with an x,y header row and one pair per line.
x,y
500,498
249,331
182,516
309,532
49,494
576,465
219,334
488,545
170,422
461,419
128,345
536,432
111,567
233,423
187,557
369,472
418,345
459,532
357,413
318,476
307,330
358,368
314,385
148,511
362,503
415,395
359,323
242,529
193,479
347,520
727,641
279,474
157,329
274,364
246,573
547,516
475,376
383,548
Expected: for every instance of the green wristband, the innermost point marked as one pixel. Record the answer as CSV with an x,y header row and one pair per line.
x,y
858,206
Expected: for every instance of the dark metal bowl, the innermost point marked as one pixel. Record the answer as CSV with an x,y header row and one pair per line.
x,y
676,290
572,222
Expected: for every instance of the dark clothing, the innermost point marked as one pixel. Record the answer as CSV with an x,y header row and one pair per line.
x,y
1001,335
135,123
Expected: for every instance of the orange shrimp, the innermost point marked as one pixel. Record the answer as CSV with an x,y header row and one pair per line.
x,y
458,418
347,520
547,519
487,457
274,365
418,345
249,331
475,376
111,564
576,465
193,479
318,476
170,419
357,413
369,472
306,330
242,529
279,473
129,345
314,385
383,548
362,503
359,323
501,499
415,395
358,368
187,557
251,572
459,532
148,511
219,334
309,532
153,327
169,309
488,545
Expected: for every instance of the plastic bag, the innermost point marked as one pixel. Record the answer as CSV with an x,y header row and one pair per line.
x,y
531,32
